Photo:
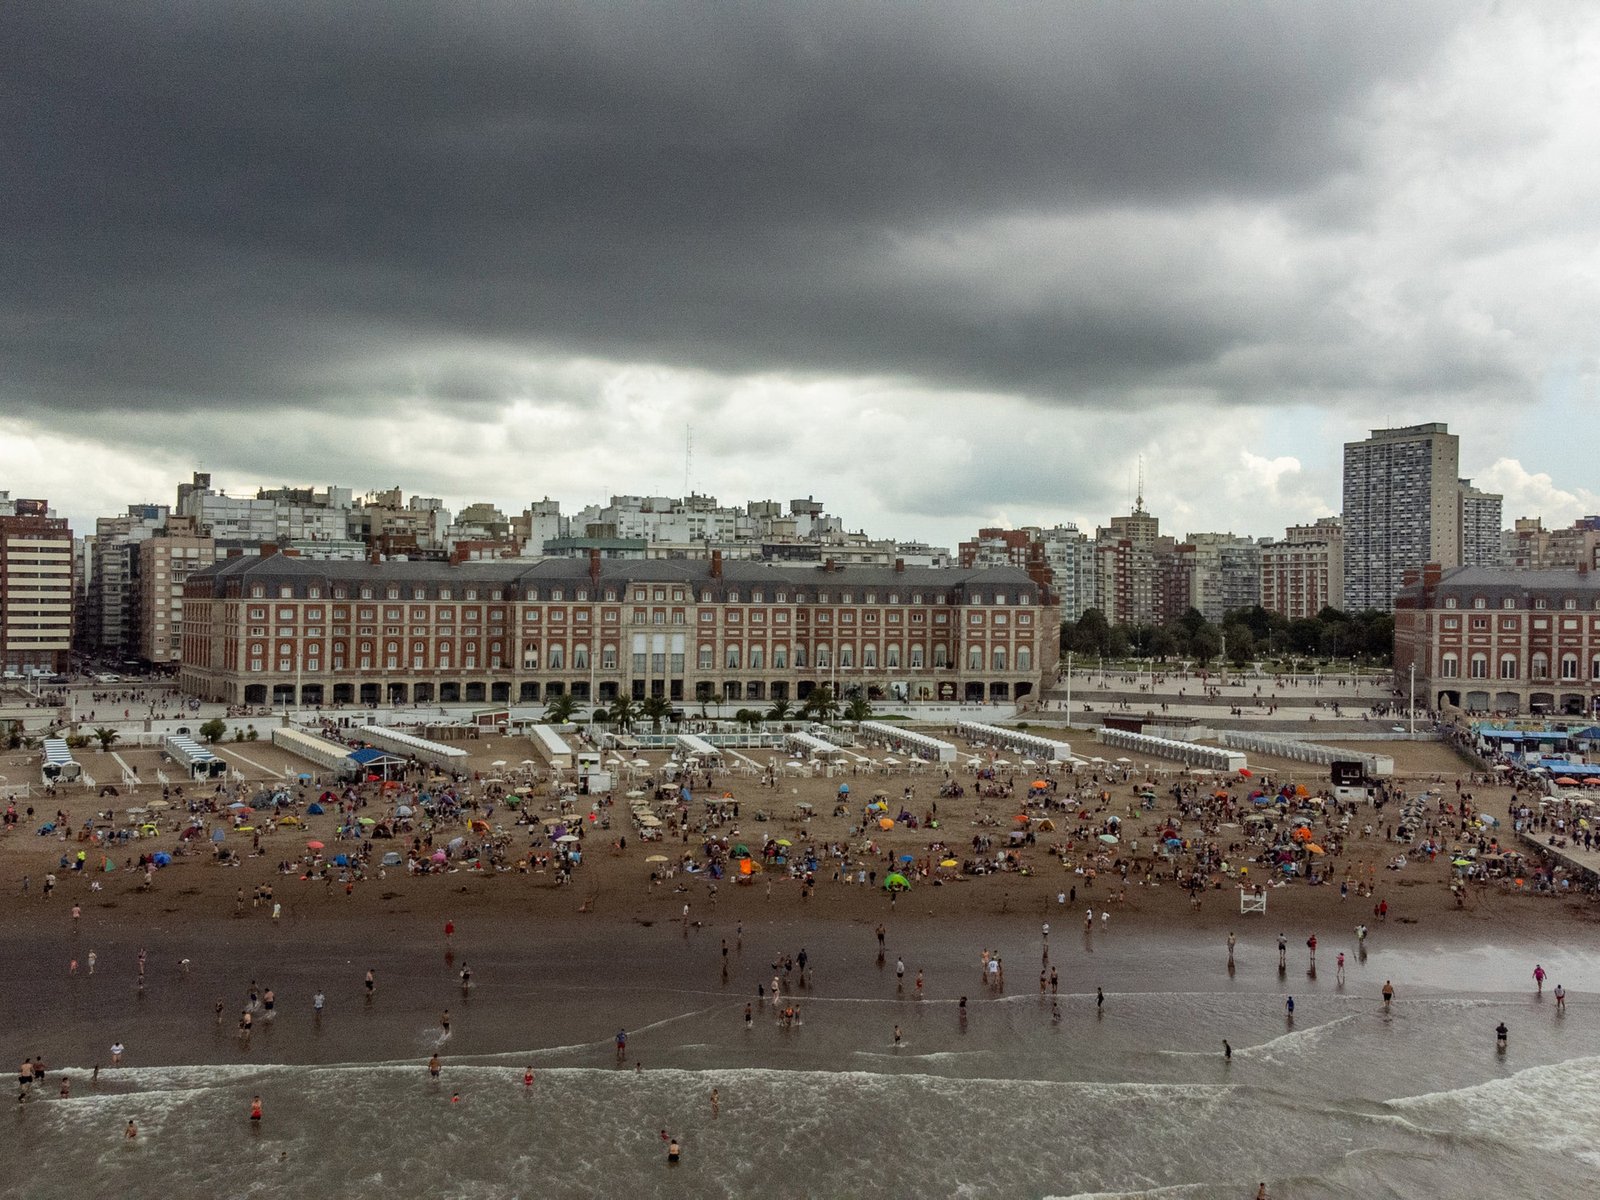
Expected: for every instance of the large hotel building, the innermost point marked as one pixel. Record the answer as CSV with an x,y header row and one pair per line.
x,y
281,629
1488,640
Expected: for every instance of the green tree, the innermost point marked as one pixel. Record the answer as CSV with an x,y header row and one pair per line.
x,y
622,713
656,710
1163,644
748,716
106,736
821,704
1241,643
1092,634
214,730
859,709
558,709
1205,644
1305,636
779,710
1116,643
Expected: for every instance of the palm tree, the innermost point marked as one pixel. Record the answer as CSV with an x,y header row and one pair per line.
x,y
779,711
656,709
106,736
821,704
859,709
558,709
622,713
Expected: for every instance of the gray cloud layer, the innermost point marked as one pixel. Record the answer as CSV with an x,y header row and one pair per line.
x,y
214,205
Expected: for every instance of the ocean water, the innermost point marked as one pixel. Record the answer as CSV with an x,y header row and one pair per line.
x,y
1132,1098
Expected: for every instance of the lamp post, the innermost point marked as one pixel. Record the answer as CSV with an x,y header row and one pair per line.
x,y
1069,688
1412,722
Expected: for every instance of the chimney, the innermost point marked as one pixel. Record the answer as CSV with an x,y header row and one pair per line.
x,y
899,566
827,565
716,564
268,549
594,564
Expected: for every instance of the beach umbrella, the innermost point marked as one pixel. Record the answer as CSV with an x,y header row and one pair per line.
x,y
1461,862
567,838
908,858
238,804
949,862
341,860
1566,781
1040,783
885,823
403,811
366,821
247,829
218,835
894,880
1246,772
639,762
656,858
785,842
314,845
161,858
158,804
391,859
440,856
1589,781
1314,848
1109,839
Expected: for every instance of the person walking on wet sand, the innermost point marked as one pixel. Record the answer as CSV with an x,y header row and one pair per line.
x,y
434,1066
372,983
1231,942
1538,978
1388,993
622,1044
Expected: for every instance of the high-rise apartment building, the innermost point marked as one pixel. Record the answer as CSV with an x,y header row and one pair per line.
x,y
165,563
1480,526
1402,508
35,587
1304,573
1129,552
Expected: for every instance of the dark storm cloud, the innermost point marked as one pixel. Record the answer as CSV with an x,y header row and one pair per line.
x,y
216,204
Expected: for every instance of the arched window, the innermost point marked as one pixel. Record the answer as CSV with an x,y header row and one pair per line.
x,y
1449,666
891,656
1508,666
999,658
918,655
758,658
1541,666
1024,658
847,656
1480,666
869,656
1569,666
558,657
580,657
975,658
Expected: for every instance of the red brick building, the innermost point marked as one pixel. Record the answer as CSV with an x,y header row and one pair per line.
x,y
1500,641
279,629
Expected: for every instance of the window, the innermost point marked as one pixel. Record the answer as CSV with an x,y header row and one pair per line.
x,y
580,658
1508,666
1480,666
975,658
869,656
1508,602
1569,666
780,658
758,658
847,657
608,658
705,658
1449,666
891,656
1024,658
916,658
1594,668
1449,601
941,656
1480,602
557,658
999,658
731,658
1540,668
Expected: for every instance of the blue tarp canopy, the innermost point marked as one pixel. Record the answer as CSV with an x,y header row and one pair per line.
x,y
370,757
315,810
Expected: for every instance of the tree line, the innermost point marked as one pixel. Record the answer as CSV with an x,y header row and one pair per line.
x,y
1249,635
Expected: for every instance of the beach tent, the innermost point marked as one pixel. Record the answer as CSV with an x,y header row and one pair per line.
x,y
895,880
312,810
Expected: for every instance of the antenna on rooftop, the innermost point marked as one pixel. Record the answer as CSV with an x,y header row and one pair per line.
x,y
1138,504
688,456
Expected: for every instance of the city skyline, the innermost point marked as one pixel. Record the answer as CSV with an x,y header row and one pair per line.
x,y
947,273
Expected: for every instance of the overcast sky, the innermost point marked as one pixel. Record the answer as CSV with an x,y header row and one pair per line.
x,y
940,266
